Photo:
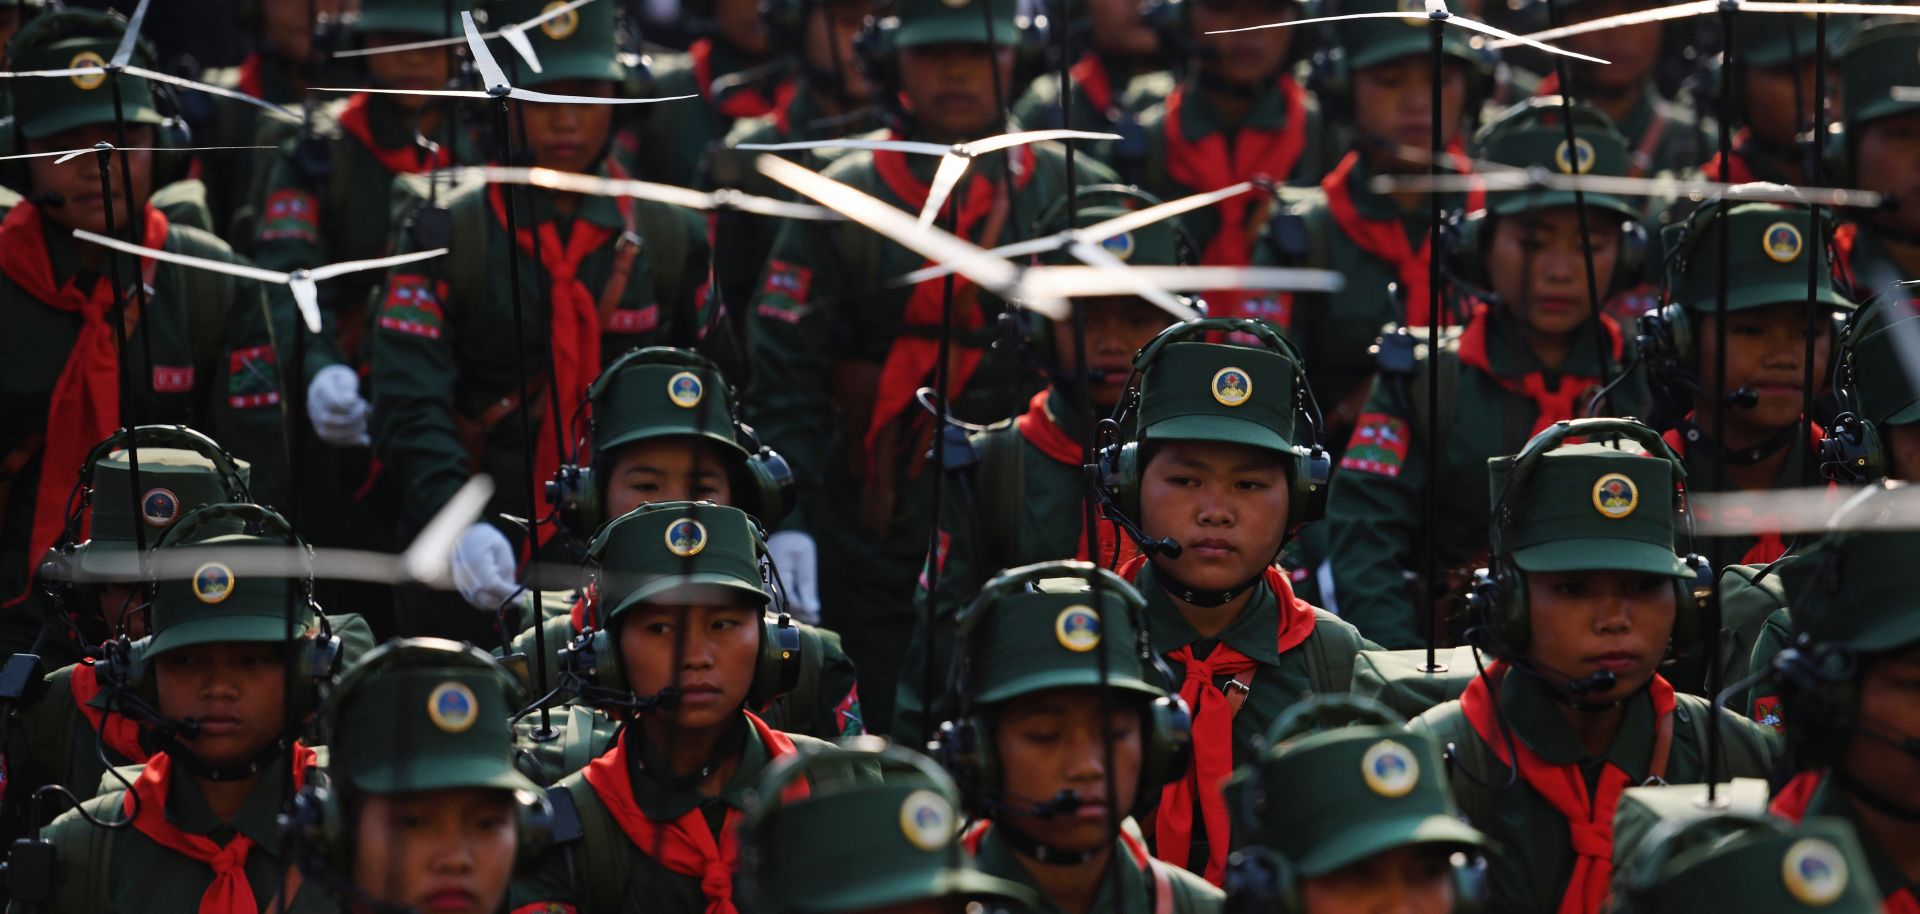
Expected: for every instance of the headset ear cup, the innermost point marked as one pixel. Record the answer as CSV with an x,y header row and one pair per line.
x,y
1260,880
605,655
777,664
1312,477
1629,259
771,481
964,748
1678,329
1123,478
533,828
1516,624
1465,255
1166,749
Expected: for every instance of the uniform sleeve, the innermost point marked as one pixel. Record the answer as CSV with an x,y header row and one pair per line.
x,y
289,238
547,887
248,399
1373,516
413,380
837,697
914,713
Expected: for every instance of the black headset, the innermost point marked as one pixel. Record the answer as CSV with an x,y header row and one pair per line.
x,y
1330,74
878,58
1851,449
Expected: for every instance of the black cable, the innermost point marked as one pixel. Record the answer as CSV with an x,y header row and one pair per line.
x,y
1431,492
1717,546
940,376
1810,468
103,157
1600,337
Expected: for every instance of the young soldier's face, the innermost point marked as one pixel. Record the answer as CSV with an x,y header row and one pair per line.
x,y
420,69
444,851
78,181
236,691
1903,446
738,23
568,137
1051,742
1887,159
1538,267
1405,880
831,30
1766,351
1890,707
1226,504
1634,49
1117,29
950,87
717,647
1393,109
1775,96
118,603
1242,58
675,468
1116,329
289,30
1587,621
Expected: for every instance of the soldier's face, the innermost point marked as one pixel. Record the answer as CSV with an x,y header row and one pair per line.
x,y
1117,29
1903,443
1226,504
1890,706
1116,329
950,87
1779,100
418,69
1633,50
445,851
288,28
9,24
236,691
1405,880
118,605
1242,58
1393,107
78,181
1766,350
717,642
1537,265
1587,621
568,137
739,23
1052,741
1887,159
831,30
678,468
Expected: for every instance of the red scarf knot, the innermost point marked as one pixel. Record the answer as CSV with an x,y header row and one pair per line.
x,y
119,733
1386,239
1552,404
230,892
406,160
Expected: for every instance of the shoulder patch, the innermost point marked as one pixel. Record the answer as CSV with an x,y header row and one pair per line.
x,y
1378,446
253,377
291,215
784,295
633,320
412,306
170,379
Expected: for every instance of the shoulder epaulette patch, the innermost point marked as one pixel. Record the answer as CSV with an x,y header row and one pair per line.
x,y
412,306
292,215
784,295
253,377
1378,446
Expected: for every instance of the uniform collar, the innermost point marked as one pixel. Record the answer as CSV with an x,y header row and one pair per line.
x,y
1533,711
996,858
1830,799
1511,357
1256,633
596,209
258,818
1198,117
663,802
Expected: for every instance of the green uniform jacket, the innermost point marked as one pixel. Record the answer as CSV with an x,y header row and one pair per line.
x,y
1376,511
216,367
1189,893
1532,858
1830,799
1866,261
820,330
677,136
603,871
443,356
236,191
1130,95
1664,135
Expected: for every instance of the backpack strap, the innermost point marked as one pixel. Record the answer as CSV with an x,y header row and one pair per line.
x,y
1003,497
1330,652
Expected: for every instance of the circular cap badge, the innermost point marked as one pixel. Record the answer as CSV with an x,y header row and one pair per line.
x,y
1390,769
926,818
213,582
452,707
1414,6
159,507
1120,246
1615,496
1231,386
560,27
1782,242
1579,163
88,81
1814,872
686,537
1077,628
685,389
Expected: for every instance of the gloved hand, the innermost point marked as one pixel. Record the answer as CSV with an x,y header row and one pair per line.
x,y
798,560
334,404
483,567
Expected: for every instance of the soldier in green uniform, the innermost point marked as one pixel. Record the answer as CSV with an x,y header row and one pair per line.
x,y
1022,498
1583,599
1773,99
1532,353
687,638
1882,246
421,808
13,15
1033,738
214,359
1662,134
837,354
598,276
1743,863
1120,73
738,72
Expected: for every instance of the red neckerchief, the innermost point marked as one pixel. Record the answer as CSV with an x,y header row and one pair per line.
x,y
1562,402
1037,425
1386,239
1845,236
745,101
783,96
1208,165
912,357
1589,817
1092,78
574,328
1768,546
405,161
1716,170
1213,731
688,847
1791,804
230,893
118,732
85,406
250,75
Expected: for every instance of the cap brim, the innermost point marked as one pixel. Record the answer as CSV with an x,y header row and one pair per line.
x,y
954,31
70,117
1766,295
100,561
1043,680
224,629
1357,844
1905,415
651,432
1884,106
902,888
1602,554
1214,427
691,588
1891,634
425,23
427,770
570,67
1510,202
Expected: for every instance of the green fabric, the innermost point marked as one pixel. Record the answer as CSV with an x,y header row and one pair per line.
x,y
1153,245
173,482
1370,42
1768,870
1831,801
1133,93
1033,640
678,139
46,106
1400,679
659,548
1859,590
233,198
1880,47
1589,507
1765,251
648,401
1528,136
579,44
1776,41
1191,894
927,22
1686,137
407,17
1888,393
425,728
218,605
1209,392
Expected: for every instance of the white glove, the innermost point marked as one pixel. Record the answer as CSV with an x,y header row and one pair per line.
x,y
798,562
483,567
334,404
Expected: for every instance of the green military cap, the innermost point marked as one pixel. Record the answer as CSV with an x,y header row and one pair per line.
x,y
1859,591
1883,382
857,843
1533,134
1155,245
1766,258
217,604
424,714
1590,507
1045,626
1772,40
661,549
659,392
577,44
406,17
173,483
1870,60
927,22
71,39
1196,391
1371,42
1740,863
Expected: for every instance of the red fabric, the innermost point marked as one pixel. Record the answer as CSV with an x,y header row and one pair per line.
x,y
1213,732
1211,163
1740,173
1562,402
85,406
250,76
1386,239
1091,77
745,101
688,847
119,733
1039,428
1589,817
405,161
782,107
230,893
912,357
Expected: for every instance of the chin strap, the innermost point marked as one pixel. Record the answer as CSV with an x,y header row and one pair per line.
x,y
1030,847
1871,797
183,756
1696,437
